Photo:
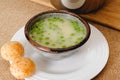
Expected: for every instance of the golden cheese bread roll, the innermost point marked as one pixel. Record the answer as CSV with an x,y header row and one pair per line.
x,y
22,68
12,50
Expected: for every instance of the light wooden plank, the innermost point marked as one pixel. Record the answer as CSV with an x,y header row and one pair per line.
x,y
43,2
109,15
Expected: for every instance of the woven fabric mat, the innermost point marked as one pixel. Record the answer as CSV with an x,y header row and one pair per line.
x,y
15,13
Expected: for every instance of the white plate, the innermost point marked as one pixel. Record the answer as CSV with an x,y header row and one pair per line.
x,y
84,65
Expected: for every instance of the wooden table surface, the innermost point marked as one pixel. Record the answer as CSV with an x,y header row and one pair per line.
x,y
15,13
108,15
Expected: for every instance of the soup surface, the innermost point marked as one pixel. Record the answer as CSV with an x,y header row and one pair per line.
x,y
57,32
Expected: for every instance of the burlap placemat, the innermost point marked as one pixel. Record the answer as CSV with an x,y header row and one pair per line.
x,y
15,13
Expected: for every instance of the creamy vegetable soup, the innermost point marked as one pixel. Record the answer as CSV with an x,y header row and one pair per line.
x,y
57,32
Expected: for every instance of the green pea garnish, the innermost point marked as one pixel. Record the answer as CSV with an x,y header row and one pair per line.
x,y
57,32
47,38
47,43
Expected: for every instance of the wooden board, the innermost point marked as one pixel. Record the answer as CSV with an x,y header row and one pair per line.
x,y
109,15
43,2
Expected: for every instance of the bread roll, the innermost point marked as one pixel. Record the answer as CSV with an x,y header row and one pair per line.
x,y
22,68
12,50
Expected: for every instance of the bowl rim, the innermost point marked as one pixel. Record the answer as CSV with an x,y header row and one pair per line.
x,y
56,50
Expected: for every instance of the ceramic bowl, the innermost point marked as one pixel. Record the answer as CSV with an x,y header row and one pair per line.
x,y
56,52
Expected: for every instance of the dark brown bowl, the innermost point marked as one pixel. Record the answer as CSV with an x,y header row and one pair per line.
x,y
32,21
88,6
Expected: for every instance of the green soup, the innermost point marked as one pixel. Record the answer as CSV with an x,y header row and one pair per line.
x,y
57,32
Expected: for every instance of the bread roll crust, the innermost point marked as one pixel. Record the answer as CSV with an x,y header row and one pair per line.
x,y
12,50
22,68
